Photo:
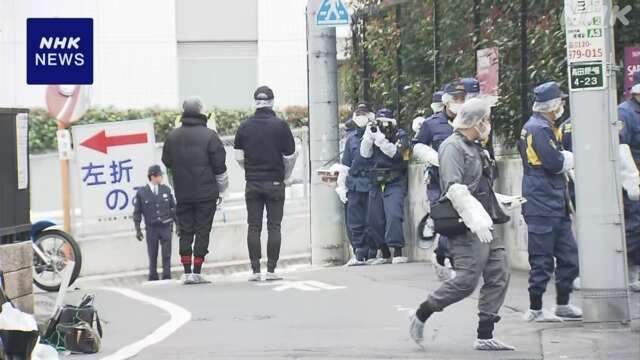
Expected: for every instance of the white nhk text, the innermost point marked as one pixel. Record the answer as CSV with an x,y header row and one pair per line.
x,y
45,58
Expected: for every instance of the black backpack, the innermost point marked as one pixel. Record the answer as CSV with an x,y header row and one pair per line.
x,y
76,328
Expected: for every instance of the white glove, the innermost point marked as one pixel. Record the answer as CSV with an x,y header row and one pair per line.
x,y
223,182
425,154
378,137
289,162
388,148
366,145
342,194
629,173
508,202
471,212
568,163
417,124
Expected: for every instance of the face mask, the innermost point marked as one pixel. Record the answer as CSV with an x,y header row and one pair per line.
x,y
360,120
455,107
558,113
437,107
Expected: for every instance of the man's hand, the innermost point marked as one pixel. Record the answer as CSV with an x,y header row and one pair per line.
x,y
139,235
378,137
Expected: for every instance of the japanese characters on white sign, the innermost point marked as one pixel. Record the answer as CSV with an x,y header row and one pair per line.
x,y
112,160
586,55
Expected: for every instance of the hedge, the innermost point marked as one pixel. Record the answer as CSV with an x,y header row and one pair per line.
x,y
42,127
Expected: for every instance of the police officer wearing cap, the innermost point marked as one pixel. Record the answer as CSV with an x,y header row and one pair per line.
x,y
387,147
547,212
265,148
437,128
629,114
471,87
155,203
353,186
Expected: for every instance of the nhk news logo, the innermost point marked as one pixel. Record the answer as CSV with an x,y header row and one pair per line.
x,y
59,51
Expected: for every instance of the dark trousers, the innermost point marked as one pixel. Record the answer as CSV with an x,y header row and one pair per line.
x,y
551,247
159,236
195,220
357,207
258,195
385,214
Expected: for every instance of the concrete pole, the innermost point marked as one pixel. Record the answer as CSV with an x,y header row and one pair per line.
x,y
327,221
600,219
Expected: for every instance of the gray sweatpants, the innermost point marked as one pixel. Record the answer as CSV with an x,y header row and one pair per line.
x,y
473,259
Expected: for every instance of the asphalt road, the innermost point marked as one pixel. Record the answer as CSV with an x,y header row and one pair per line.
x,y
332,313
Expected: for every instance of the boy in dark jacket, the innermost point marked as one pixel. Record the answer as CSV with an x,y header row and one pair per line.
x,y
155,203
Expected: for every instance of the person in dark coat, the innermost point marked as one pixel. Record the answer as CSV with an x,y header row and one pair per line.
x,y
155,203
265,148
196,157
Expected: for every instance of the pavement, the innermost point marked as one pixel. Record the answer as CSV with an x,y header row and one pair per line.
x,y
328,313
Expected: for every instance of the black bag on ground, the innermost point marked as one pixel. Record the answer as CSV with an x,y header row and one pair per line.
x,y
446,220
76,328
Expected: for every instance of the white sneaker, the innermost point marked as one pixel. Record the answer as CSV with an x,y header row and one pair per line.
x,y
381,261
416,331
634,278
354,262
576,284
568,311
543,315
491,345
635,286
269,276
370,261
199,279
186,279
255,277
400,260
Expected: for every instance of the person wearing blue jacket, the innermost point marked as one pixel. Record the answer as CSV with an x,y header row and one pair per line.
x,y
547,211
629,114
387,147
353,188
433,132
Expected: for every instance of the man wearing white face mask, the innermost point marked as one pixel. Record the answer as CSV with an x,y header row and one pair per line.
x,y
432,133
478,252
552,245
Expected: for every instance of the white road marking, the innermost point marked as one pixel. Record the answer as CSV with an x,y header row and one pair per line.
x,y
179,317
303,285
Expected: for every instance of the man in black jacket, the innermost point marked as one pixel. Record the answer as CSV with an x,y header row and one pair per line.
x,y
196,157
266,149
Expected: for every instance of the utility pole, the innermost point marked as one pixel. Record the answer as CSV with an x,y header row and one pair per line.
x,y
327,221
600,218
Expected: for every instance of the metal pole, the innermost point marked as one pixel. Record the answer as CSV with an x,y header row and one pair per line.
x,y
327,222
66,198
600,219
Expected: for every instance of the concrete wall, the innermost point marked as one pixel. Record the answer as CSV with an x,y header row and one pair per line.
x,y
15,264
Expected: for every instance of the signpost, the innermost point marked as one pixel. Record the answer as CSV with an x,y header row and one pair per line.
x,y
67,103
585,26
112,161
332,13
599,216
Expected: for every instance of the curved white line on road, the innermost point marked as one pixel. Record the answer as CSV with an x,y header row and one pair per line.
x,y
179,317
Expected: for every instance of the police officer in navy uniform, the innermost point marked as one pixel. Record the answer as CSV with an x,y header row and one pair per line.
x,y
155,203
353,188
433,132
388,148
552,245
629,114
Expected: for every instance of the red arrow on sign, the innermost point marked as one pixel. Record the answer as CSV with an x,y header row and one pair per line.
x,y
101,142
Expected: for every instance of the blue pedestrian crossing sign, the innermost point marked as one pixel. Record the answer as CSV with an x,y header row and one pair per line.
x,y
331,13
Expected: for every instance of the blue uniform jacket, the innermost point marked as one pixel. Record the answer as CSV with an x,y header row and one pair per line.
x,y
565,135
629,114
542,185
398,163
156,209
434,130
358,179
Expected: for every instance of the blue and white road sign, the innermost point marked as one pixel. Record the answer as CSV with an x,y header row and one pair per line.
x,y
332,13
